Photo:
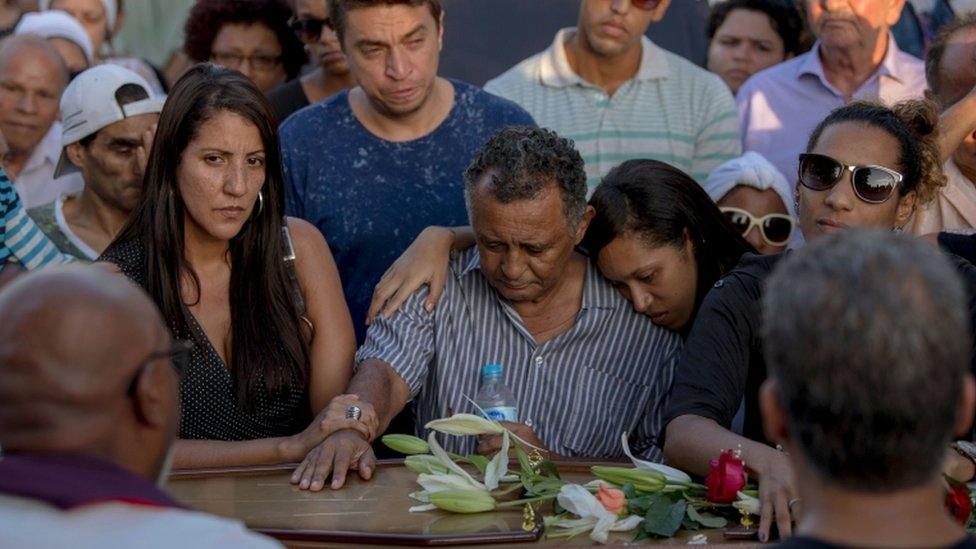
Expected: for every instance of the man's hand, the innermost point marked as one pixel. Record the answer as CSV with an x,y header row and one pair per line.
x,y
958,467
341,451
777,489
333,417
492,444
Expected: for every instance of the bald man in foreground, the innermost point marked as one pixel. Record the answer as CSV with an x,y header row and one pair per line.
x,y
89,408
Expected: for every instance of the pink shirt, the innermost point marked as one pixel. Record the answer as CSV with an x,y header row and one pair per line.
x,y
953,209
779,107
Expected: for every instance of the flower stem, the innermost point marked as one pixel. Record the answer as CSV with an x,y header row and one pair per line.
x,y
518,502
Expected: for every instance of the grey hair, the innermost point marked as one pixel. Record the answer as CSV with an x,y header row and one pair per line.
x,y
867,335
521,162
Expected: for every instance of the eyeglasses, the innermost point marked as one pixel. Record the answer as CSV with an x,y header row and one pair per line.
x,y
872,184
309,29
645,4
260,61
775,229
178,355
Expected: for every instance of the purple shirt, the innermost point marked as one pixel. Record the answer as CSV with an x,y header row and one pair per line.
x,y
780,106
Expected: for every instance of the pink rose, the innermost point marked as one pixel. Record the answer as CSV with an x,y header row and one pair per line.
x,y
727,477
613,500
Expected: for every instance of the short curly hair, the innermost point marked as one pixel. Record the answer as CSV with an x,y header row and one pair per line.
x,y
521,162
207,17
915,124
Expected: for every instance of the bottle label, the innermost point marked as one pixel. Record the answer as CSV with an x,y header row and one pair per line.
x,y
502,413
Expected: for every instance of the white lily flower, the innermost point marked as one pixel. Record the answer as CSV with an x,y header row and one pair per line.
x,y
498,466
673,475
465,424
438,482
423,496
441,455
746,504
592,515
422,508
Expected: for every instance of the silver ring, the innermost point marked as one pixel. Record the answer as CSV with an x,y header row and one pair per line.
x,y
791,503
354,412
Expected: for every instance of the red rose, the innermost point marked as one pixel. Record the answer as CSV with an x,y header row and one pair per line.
x,y
727,477
958,503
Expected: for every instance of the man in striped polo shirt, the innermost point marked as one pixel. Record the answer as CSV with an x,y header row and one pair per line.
x,y
583,365
619,96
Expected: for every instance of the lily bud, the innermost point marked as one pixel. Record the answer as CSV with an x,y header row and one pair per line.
x,y
465,424
463,501
406,444
423,463
643,480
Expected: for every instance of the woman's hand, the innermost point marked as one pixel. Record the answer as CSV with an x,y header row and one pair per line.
x,y
328,421
424,262
336,455
777,491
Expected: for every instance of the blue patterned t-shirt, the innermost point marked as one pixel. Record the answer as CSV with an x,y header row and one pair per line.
x,y
371,197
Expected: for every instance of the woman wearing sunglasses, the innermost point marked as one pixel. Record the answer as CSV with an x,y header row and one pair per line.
x,y
655,234
311,25
866,166
757,200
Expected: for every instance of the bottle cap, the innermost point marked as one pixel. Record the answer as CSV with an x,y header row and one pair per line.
x,y
491,370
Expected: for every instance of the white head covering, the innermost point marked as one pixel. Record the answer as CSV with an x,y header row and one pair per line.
x,y
111,11
751,170
57,24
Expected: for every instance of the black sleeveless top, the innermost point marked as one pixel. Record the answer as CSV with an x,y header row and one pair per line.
x,y
209,407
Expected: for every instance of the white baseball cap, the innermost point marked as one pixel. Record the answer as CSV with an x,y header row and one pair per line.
x,y
111,11
89,104
57,24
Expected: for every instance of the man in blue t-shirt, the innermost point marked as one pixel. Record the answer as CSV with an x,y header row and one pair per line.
x,y
374,166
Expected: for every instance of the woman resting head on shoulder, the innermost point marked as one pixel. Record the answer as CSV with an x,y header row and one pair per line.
x,y
866,166
272,338
757,200
655,234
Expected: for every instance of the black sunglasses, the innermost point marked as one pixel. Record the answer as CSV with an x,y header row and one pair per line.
x,y
872,184
308,29
178,354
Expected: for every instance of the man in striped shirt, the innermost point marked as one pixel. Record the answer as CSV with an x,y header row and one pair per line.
x,y
583,365
619,96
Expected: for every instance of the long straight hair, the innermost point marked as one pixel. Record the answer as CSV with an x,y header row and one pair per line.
x,y
268,352
664,206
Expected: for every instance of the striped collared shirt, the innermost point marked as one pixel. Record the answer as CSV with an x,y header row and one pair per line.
x,y
671,110
609,373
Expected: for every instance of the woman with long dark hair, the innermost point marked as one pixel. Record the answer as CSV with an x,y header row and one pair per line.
x,y
273,341
655,233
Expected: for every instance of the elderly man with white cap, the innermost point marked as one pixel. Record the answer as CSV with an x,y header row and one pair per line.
x,y
758,200
63,32
109,115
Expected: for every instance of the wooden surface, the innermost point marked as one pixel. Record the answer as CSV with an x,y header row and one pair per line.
x,y
365,512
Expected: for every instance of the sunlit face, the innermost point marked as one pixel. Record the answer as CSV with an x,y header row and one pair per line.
x,y
852,23
524,245
958,77
220,174
743,45
31,83
326,50
614,27
91,14
838,208
393,52
660,281
759,203
254,50
72,54
109,165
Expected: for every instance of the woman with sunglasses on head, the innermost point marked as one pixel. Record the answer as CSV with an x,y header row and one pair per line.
x,y
758,201
257,293
311,25
655,234
866,166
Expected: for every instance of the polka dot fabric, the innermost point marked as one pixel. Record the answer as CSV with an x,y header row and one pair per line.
x,y
210,409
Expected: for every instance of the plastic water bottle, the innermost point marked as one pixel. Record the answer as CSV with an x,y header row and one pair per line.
x,y
494,397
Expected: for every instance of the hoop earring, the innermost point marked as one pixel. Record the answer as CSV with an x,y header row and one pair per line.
x,y
260,202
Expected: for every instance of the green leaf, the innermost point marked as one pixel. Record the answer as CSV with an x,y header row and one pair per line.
x,y
641,535
688,524
523,459
628,489
481,462
665,516
547,466
708,521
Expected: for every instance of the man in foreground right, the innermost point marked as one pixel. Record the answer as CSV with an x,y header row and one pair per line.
x,y
867,341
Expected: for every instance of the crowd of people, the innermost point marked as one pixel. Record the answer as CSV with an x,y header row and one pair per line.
x,y
329,239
